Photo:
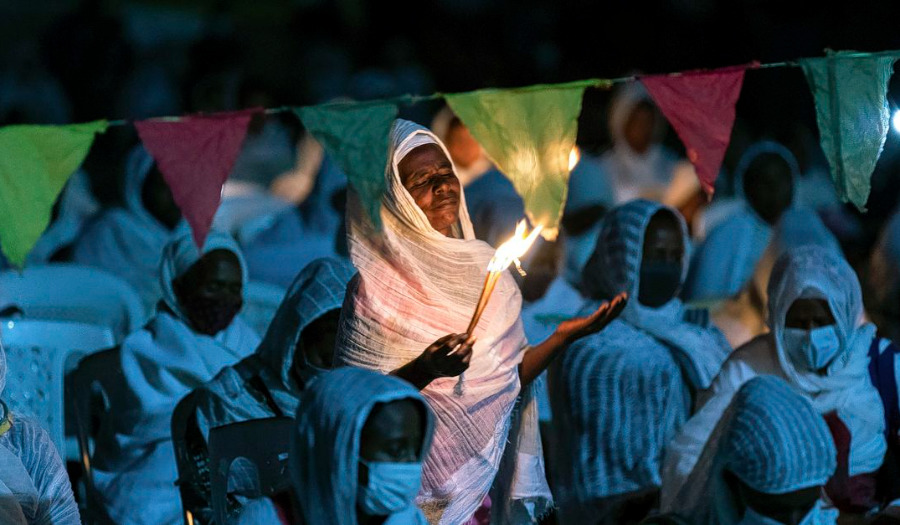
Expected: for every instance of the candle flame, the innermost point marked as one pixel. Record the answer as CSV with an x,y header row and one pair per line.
x,y
510,251
574,157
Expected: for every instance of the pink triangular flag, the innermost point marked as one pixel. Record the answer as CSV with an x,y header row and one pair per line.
x,y
700,106
195,154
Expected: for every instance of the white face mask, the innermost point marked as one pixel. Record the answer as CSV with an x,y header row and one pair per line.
x,y
392,487
811,349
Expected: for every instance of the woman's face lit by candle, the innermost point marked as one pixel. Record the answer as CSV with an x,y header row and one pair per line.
x,y
427,175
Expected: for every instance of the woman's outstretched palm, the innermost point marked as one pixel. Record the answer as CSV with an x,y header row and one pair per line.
x,y
578,327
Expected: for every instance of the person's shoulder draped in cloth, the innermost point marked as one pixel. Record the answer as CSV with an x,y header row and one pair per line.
x,y
770,454
192,337
416,285
269,382
34,484
620,395
127,241
841,386
723,263
326,452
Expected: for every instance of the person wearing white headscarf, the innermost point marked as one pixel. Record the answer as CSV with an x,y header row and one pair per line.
x,y
420,280
743,316
766,462
76,206
724,261
828,364
620,395
34,484
269,382
128,241
639,166
195,333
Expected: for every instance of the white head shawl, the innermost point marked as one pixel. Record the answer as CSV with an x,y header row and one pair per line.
x,y
771,439
317,290
415,286
615,267
816,272
726,260
179,255
325,449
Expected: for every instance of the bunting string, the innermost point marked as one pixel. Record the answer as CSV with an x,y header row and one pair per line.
x,y
527,131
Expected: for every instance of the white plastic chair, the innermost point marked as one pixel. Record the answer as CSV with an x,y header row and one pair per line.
x,y
68,292
261,301
38,355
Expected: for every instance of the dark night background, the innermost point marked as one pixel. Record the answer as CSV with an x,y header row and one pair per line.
x,y
135,59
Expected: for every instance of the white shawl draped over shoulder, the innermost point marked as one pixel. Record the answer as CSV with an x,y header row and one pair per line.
x,y
621,394
770,439
816,272
162,363
415,286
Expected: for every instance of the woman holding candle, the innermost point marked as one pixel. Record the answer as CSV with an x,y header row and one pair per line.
x,y
420,278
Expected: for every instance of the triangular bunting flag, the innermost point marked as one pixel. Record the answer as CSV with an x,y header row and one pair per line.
x,y
852,112
357,136
529,134
35,163
195,154
700,106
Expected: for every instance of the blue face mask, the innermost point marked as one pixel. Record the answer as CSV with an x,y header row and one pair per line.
x,y
392,487
659,281
811,349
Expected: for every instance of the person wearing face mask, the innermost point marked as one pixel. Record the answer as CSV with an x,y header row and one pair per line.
x,y
297,348
743,316
820,346
34,485
620,395
127,241
356,458
766,463
723,263
194,334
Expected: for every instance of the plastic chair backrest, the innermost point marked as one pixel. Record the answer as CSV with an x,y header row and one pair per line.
x,y
265,443
68,292
261,301
97,379
192,460
37,353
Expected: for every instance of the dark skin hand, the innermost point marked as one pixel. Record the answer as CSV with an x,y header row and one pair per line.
x,y
449,356
444,359
427,174
539,357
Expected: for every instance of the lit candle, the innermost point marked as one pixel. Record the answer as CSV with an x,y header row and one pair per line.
x,y
508,253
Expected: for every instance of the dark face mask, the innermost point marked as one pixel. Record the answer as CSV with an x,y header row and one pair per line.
x,y
211,315
659,282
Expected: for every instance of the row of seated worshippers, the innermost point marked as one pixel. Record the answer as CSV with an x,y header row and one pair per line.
x,y
645,406
646,393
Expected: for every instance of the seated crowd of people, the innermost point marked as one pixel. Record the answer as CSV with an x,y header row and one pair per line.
x,y
641,372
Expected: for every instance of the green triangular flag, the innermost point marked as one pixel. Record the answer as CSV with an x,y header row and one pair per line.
x,y
357,136
35,163
529,134
851,108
